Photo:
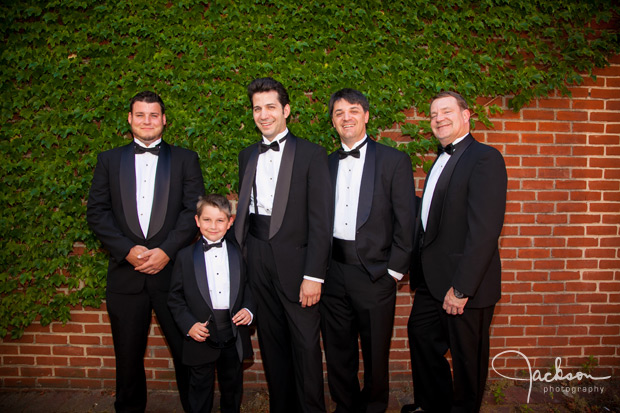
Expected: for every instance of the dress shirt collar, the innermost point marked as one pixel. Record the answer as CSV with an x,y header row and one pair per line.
x,y
277,138
152,145
358,143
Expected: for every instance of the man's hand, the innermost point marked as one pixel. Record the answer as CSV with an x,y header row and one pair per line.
x,y
199,332
309,293
454,305
133,255
155,260
242,318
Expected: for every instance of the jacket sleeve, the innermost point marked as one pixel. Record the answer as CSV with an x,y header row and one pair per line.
x,y
403,205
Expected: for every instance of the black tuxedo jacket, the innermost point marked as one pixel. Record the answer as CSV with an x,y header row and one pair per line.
x,y
300,229
386,209
460,245
112,211
190,302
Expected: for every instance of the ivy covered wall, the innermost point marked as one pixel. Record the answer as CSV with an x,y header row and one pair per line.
x,y
70,67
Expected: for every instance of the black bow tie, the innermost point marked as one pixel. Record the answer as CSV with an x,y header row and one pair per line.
x,y
449,149
353,152
206,246
141,149
275,145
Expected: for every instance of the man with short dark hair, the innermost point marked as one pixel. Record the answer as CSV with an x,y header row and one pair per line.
x,y
282,224
456,268
141,206
371,249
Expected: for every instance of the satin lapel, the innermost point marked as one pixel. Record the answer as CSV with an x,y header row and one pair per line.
x,y
127,178
235,273
244,197
162,191
441,189
200,272
367,186
283,186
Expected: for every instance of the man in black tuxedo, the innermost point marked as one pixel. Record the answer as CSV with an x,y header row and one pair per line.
x,y
456,265
211,304
371,251
282,224
141,206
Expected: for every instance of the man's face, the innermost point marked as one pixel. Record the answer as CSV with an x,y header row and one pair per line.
x,y
350,121
269,115
213,223
448,121
147,122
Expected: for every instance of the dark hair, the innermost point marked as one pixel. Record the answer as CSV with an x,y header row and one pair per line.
x,y
351,96
215,200
267,84
148,97
447,93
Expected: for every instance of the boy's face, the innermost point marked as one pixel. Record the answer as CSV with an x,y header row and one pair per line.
x,y
213,223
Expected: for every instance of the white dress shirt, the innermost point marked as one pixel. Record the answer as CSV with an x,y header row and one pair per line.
x,y
348,186
348,183
427,197
267,170
146,168
218,276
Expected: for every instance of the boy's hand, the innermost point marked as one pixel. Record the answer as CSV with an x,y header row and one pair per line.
x,y
199,332
242,318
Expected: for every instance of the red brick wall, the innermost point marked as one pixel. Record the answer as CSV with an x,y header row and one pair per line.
x,y
561,279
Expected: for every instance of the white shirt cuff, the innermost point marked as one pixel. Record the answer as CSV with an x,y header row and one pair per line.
x,y
318,280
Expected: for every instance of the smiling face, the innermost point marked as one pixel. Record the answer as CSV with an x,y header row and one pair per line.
x,y
213,223
147,122
448,120
350,121
269,115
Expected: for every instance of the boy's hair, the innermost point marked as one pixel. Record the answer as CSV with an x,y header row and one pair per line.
x,y
215,200
350,95
460,100
267,84
148,97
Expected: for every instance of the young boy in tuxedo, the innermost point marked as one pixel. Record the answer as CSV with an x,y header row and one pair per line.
x,y
212,307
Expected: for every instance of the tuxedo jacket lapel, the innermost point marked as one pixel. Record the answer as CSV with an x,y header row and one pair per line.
x,y
201,273
127,182
283,186
243,205
367,186
441,189
162,191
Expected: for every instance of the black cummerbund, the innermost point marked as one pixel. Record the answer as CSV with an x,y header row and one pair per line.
x,y
259,226
344,251
223,321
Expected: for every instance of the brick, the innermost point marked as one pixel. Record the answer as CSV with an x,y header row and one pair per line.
x,y
554,103
581,104
575,116
536,114
588,127
588,150
68,351
597,93
614,104
554,126
535,138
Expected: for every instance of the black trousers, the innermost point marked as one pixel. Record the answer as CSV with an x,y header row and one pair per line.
x,y
288,336
130,319
353,305
230,379
432,332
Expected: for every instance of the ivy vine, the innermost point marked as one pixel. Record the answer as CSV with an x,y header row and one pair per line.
x,y
69,68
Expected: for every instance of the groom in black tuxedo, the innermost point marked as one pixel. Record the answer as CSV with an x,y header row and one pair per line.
x,y
141,206
456,265
282,224
371,250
